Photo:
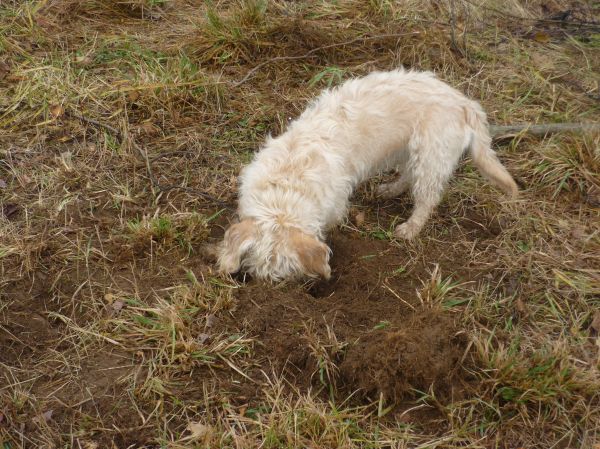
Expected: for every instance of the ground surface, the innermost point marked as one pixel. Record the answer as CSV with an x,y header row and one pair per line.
x,y
123,126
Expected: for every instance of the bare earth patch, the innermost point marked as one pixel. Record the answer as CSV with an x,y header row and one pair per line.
x,y
123,125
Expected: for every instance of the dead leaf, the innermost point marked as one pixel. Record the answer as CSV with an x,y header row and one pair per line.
x,y
579,233
83,60
187,121
66,158
15,78
541,36
521,307
44,417
88,444
512,285
210,321
3,184
133,96
56,110
210,251
118,305
202,338
109,298
42,22
359,219
198,430
592,197
9,209
148,129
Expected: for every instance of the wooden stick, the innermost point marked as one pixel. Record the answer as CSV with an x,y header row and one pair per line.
x,y
504,131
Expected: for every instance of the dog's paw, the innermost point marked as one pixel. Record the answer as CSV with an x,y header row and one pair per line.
x,y
407,231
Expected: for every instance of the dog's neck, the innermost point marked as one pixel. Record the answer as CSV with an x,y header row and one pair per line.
x,y
284,207
288,185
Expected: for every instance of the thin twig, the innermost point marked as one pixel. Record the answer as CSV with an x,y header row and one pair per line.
x,y
144,155
162,188
317,49
96,123
169,154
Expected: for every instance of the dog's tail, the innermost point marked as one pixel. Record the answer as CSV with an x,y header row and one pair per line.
x,y
484,157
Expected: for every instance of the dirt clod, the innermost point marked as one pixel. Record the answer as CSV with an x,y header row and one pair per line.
x,y
423,354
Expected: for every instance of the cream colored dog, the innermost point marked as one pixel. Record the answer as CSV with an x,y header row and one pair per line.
x,y
299,184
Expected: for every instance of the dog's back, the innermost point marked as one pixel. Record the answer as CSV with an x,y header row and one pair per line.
x,y
372,119
301,181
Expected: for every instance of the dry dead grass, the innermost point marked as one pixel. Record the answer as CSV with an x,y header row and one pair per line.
x,y
110,314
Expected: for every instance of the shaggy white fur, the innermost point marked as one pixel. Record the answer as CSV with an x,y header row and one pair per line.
x,y
299,184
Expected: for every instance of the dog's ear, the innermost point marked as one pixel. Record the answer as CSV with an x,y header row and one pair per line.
x,y
313,254
238,239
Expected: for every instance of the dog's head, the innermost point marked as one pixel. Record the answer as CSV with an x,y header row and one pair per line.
x,y
273,252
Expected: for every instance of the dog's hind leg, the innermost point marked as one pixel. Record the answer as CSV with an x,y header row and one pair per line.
x,y
430,167
424,205
396,187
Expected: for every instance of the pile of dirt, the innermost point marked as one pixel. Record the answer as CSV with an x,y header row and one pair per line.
x,y
425,354
365,331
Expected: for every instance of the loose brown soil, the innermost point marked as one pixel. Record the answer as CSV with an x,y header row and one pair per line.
x,y
384,341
